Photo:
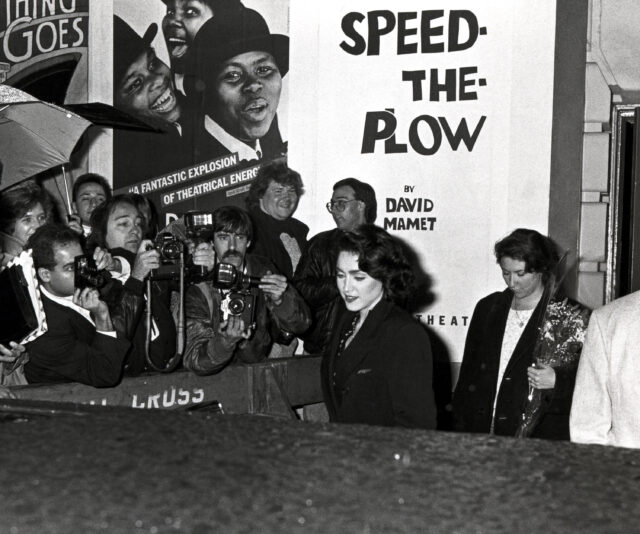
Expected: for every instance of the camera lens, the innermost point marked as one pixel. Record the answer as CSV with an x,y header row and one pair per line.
x,y
236,306
171,250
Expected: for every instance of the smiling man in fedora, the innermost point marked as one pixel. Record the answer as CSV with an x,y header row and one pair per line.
x,y
234,76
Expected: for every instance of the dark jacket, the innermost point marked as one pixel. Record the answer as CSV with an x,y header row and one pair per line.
x,y
477,383
205,354
127,306
71,350
384,376
271,239
315,279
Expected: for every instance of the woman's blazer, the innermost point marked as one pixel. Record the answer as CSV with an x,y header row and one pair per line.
x,y
477,383
384,376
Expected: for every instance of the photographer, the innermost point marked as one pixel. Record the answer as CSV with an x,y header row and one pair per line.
x,y
80,344
118,227
218,330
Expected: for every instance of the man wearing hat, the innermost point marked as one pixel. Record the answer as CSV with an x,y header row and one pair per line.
x,y
234,73
143,86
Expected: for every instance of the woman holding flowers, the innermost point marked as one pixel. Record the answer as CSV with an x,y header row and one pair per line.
x,y
522,348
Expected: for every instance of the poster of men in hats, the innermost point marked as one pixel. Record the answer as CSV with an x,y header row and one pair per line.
x,y
208,76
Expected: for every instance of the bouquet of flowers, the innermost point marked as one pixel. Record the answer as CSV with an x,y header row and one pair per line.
x,y
560,337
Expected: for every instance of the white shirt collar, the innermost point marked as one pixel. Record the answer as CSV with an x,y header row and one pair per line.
x,y
86,230
231,143
68,302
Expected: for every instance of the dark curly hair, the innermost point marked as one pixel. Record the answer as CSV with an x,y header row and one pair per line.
x,y
381,256
100,219
44,241
277,171
17,201
538,252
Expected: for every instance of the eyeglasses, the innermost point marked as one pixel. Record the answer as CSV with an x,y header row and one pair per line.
x,y
339,205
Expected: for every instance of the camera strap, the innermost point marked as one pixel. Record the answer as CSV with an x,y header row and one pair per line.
x,y
177,357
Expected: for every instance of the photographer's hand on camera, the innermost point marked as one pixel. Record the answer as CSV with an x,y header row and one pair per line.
x,y
204,255
89,299
105,261
147,259
274,286
233,330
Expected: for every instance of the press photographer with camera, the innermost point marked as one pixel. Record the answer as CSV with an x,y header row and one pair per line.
x,y
80,344
118,227
232,316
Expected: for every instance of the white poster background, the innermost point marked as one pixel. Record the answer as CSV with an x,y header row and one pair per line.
x,y
478,196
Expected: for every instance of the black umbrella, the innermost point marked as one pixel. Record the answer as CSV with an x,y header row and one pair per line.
x,y
109,117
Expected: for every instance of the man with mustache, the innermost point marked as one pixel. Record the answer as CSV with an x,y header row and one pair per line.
x,y
216,333
234,71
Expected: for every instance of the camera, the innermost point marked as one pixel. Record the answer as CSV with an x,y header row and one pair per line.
x,y
199,229
226,276
241,299
170,249
86,274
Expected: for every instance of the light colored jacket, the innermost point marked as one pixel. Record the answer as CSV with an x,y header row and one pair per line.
x,y
606,399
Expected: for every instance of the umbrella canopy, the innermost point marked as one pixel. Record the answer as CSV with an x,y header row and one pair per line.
x,y
34,135
109,117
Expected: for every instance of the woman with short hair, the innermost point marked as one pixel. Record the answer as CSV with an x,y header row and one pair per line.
x,y
499,370
379,366
23,209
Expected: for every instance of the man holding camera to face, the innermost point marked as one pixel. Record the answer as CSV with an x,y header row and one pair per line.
x,y
80,344
236,314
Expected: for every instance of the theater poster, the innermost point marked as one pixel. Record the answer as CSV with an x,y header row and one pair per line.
x,y
445,107
43,48
213,84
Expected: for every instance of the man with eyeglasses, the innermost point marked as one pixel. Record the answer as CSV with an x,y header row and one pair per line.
x,y
352,204
217,329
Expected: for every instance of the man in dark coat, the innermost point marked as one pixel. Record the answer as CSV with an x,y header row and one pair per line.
x,y
352,204
80,344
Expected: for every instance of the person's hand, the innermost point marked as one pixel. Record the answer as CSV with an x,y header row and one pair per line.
x,y
541,376
233,330
274,285
146,260
104,260
10,355
74,222
89,299
205,255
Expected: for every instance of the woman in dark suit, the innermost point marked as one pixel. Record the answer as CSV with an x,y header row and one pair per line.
x,y
498,369
379,368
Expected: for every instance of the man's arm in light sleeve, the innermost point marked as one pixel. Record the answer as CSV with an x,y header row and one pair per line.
x,y
590,420
205,353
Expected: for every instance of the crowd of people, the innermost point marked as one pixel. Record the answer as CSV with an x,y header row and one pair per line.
x,y
264,286
344,294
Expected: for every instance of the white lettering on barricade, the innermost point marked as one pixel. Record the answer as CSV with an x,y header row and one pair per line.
x,y
168,398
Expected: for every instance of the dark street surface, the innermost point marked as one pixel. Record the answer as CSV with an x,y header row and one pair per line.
x,y
123,470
